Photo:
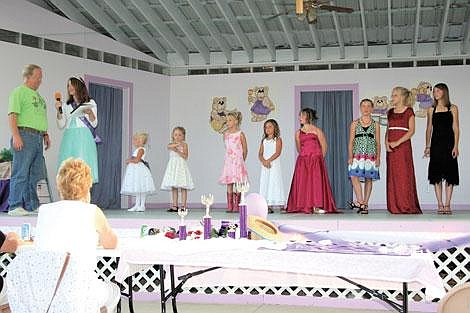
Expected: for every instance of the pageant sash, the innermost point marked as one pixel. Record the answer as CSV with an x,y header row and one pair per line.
x,y
87,124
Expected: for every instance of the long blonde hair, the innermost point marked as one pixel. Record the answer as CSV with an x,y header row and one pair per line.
x,y
406,93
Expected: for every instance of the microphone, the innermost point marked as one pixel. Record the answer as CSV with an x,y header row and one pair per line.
x,y
58,97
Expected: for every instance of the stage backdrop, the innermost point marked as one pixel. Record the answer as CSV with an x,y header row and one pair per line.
x,y
189,109
334,111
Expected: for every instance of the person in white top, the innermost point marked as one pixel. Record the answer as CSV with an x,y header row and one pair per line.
x,y
74,225
8,244
177,176
79,117
138,180
271,186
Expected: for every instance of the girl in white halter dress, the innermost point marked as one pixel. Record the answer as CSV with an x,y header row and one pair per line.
x,y
138,180
271,185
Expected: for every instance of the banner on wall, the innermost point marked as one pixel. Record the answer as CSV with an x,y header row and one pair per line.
x,y
218,114
261,104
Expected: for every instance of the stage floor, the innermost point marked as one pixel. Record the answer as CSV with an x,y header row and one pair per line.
x,y
376,220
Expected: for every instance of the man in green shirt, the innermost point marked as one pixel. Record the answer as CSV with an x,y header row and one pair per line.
x,y
27,116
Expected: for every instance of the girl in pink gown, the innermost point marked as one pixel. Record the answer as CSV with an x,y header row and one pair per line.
x,y
234,170
310,189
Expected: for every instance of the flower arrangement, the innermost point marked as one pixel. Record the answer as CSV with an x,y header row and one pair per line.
x,y
6,155
194,233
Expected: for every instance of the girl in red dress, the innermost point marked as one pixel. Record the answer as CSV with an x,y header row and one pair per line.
x,y
310,190
402,197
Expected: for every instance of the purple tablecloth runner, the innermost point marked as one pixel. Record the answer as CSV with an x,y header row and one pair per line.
x,y
4,192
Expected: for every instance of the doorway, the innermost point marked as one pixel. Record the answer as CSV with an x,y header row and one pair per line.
x,y
335,109
106,193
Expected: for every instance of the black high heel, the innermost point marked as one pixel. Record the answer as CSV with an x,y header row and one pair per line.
x,y
363,209
353,205
173,209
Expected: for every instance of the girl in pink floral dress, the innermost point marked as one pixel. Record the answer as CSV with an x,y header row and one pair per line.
x,y
234,170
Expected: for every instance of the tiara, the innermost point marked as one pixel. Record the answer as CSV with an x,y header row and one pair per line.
x,y
80,78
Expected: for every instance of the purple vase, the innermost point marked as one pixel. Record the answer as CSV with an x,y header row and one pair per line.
x,y
243,221
207,227
182,232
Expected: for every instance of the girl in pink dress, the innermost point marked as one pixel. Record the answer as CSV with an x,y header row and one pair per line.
x,y
234,170
310,191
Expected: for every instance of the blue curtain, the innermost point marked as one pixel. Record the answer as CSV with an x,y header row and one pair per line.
x,y
106,193
335,113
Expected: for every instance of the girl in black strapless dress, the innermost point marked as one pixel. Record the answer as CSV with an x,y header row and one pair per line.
x,y
442,141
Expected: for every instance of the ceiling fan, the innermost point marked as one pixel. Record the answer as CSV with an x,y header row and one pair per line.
x,y
307,10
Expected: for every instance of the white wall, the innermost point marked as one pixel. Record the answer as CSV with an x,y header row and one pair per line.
x,y
150,101
190,100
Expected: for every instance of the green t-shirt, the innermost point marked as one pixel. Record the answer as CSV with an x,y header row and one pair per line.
x,y
29,107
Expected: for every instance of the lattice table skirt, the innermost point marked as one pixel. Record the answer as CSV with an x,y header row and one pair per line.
x,y
453,266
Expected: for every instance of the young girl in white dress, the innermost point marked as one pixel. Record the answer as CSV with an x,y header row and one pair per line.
x,y
271,186
177,176
138,180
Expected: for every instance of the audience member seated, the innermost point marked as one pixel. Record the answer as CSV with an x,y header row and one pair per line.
x,y
8,244
74,225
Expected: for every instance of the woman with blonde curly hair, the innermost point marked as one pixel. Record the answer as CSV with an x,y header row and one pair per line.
x,y
74,225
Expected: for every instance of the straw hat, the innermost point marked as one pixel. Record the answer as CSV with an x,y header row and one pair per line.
x,y
263,229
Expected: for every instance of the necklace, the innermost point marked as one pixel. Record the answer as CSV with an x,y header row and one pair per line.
x,y
366,123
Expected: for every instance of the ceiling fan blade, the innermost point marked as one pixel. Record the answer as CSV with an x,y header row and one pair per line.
x,y
335,8
301,17
312,16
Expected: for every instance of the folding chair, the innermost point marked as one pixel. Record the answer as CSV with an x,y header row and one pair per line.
x,y
457,300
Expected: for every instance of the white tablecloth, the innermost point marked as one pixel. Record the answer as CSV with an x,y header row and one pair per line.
x,y
244,264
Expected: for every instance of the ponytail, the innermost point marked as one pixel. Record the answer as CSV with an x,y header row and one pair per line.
x,y
408,97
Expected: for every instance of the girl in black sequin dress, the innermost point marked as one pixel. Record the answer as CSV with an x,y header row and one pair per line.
x,y
442,146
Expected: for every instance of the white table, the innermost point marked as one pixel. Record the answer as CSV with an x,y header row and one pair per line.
x,y
243,263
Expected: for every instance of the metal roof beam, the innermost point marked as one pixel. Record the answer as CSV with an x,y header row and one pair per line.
x,y
137,28
258,19
187,29
237,30
72,13
390,35
466,37
416,35
442,32
316,40
158,24
108,24
286,26
207,21
364,29
339,33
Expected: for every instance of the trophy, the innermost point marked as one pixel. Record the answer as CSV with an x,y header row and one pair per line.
x,y
207,200
242,188
182,212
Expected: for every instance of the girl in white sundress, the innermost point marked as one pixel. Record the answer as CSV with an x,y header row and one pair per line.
x,y
138,180
177,176
271,186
